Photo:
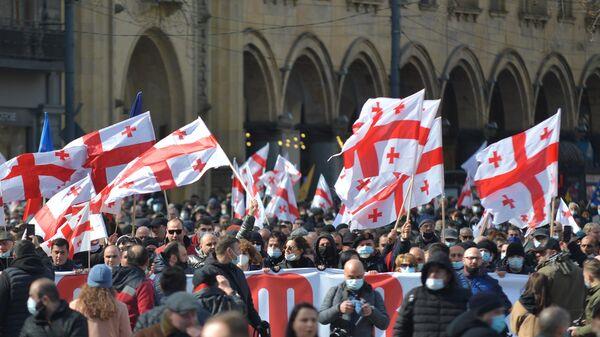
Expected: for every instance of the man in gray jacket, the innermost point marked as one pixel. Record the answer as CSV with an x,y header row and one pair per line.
x,y
354,306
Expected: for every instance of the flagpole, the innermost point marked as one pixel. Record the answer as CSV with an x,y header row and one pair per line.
x,y
551,216
403,201
166,199
133,216
442,199
89,260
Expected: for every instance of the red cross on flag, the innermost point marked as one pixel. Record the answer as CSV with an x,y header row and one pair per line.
x,y
237,195
565,217
111,148
253,192
283,167
517,175
52,215
283,205
389,141
79,231
429,176
465,199
40,174
257,163
177,160
322,198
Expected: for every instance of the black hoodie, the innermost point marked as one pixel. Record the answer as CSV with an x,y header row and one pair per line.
x,y
330,258
469,325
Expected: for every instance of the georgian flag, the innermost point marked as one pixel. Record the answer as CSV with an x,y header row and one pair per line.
x,y
322,198
518,175
237,194
283,205
429,176
283,167
465,199
252,192
565,217
257,163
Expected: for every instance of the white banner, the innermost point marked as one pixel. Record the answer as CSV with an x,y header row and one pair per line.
x,y
274,295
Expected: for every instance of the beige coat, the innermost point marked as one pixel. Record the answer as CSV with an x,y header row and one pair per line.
x,y
118,326
522,322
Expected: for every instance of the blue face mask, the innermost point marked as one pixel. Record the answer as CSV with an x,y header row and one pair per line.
x,y
354,284
515,262
365,251
486,256
458,265
498,323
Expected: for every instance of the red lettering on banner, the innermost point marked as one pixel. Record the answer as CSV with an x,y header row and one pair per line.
x,y
68,284
393,296
277,287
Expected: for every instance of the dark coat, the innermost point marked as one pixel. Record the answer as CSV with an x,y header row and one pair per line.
x,y
14,291
154,316
68,266
302,262
428,313
64,322
374,262
468,325
163,328
215,300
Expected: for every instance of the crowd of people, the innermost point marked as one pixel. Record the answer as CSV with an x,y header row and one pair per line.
x,y
136,283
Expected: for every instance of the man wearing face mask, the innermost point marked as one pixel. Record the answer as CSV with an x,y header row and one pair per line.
x,y
26,267
485,318
478,279
275,248
51,316
6,246
206,248
489,252
354,306
426,233
450,237
514,262
325,254
429,309
227,253
372,260
174,255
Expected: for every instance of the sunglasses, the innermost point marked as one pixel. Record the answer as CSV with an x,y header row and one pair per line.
x,y
175,231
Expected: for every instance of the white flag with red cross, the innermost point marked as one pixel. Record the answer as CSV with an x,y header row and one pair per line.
x,y
253,193
429,176
465,199
110,149
283,167
257,163
322,198
518,175
381,202
283,205
565,217
78,231
390,141
237,195
343,216
41,174
177,160
52,215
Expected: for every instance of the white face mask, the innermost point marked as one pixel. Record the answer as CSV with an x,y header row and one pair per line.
x,y
434,283
291,257
244,259
274,252
31,306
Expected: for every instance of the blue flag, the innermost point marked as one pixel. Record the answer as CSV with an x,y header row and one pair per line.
x,y
46,138
136,106
596,195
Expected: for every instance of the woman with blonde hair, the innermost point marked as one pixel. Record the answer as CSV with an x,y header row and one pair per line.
x,y
406,263
106,316
250,258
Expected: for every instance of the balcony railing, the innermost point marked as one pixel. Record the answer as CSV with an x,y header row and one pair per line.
x,y
31,41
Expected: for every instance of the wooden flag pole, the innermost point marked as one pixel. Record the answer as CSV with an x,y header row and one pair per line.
x,y
552,216
409,194
166,199
442,201
89,259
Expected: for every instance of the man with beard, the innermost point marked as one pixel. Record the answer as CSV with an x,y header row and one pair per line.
x,y
174,255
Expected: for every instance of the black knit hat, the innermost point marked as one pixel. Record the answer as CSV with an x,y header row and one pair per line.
x,y
484,302
515,249
488,245
24,248
438,259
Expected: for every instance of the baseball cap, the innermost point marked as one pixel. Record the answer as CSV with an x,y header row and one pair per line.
x,y
181,302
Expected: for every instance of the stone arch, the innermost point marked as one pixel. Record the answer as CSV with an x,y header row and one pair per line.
x,y
153,68
417,71
554,88
510,95
588,101
308,84
362,77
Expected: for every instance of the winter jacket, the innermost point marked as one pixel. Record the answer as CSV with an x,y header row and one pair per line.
x,y
330,311
567,288
163,328
592,301
428,313
215,300
68,266
238,283
374,262
197,260
524,317
14,291
154,316
302,262
330,258
159,265
270,262
6,261
117,326
482,282
134,289
81,258
64,322
469,325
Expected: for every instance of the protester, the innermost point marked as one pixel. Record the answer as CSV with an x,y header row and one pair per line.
x,y
302,321
15,281
132,286
208,241
524,317
429,309
250,258
106,316
466,234
372,260
51,316
112,256
6,246
554,322
178,319
175,233
514,261
419,254
484,318
174,254
142,233
457,253
591,276
406,263
275,248
229,324
325,252
347,255
566,278
60,256
354,306
478,280
295,254
216,295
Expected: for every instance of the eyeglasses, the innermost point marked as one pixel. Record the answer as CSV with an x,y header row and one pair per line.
x,y
175,231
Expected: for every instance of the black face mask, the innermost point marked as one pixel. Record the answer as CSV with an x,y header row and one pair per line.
x,y
428,235
472,271
323,251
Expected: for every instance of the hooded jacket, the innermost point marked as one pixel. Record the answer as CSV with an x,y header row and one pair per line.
x,y
330,258
591,302
134,289
426,312
14,291
524,317
469,325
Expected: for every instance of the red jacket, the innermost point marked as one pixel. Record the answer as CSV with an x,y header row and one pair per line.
x,y
135,290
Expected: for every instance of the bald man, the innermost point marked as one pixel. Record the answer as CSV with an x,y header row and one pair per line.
x,y
51,313
477,279
142,232
112,256
345,304
208,242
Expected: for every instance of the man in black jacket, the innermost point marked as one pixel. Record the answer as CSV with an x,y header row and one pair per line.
x,y
6,245
60,256
26,267
216,295
429,309
227,254
325,252
51,315
485,318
